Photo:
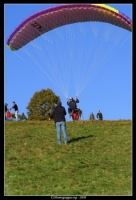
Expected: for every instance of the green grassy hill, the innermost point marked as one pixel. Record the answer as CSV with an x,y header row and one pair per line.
x,y
97,161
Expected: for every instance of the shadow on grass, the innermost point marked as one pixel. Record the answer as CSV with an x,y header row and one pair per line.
x,y
80,138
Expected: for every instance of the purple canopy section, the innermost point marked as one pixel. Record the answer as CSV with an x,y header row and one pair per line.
x,y
51,18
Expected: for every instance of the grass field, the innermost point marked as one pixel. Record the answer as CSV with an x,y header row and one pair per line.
x,y
97,161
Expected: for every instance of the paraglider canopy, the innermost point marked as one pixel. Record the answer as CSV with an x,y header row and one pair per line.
x,y
51,18
68,45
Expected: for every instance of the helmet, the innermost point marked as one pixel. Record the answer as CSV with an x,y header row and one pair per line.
x,y
6,104
70,98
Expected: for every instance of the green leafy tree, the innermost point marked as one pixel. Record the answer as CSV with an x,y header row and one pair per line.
x,y
41,104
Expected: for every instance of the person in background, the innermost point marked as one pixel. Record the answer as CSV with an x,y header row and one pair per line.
x,y
99,115
92,116
15,107
5,109
58,114
79,111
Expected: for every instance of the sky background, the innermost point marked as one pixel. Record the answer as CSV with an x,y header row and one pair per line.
x,y
109,90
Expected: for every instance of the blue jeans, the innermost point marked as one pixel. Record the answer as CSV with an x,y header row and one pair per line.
x,y
61,126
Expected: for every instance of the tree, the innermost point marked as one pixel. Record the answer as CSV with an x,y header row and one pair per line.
x,y
41,104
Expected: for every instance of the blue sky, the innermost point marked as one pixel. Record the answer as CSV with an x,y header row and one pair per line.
x,y
108,58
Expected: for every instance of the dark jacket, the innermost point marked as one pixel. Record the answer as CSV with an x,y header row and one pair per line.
x,y
15,107
6,108
72,104
58,114
99,116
